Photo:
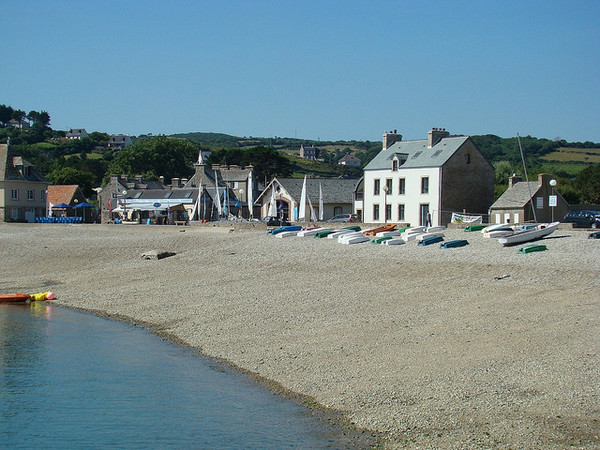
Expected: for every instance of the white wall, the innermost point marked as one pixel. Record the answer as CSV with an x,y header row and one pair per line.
x,y
412,199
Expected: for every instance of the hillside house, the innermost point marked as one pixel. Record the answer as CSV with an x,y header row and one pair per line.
x,y
514,205
76,133
349,160
119,141
22,188
308,152
337,197
409,180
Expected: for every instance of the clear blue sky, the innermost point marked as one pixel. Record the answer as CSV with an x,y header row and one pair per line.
x,y
324,70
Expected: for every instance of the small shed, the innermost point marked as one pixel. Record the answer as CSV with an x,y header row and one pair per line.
x,y
514,205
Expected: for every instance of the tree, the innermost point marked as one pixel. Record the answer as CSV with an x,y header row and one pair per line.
x,y
19,116
588,182
266,162
5,114
69,175
160,156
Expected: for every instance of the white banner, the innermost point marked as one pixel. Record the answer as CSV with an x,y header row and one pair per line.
x,y
463,218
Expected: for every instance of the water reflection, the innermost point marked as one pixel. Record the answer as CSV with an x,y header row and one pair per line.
x,y
72,379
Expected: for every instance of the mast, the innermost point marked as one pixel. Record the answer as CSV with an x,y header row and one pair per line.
x,y
527,179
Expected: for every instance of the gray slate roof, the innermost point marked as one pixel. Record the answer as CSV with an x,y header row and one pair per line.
x,y
417,154
335,190
516,196
9,171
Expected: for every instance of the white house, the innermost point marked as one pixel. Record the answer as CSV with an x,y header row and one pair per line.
x,y
409,180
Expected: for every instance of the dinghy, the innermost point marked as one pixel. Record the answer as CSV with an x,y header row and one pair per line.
x,y
538,232
431,240
533,248
356,239
380,240
388,233
423,236
454,244
286,234
394,242
374,231
284,229
311,231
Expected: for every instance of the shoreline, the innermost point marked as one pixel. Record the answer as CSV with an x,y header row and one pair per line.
x,y
420,345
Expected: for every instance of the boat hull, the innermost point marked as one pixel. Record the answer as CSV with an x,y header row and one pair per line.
x,y
13,298
541,230
454,244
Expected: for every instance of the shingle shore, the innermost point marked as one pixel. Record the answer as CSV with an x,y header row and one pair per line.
x,y
418,343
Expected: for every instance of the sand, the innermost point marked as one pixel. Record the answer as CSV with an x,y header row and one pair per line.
x,y
419,345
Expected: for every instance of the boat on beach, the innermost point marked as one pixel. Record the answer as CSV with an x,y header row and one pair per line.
x,y
532,234
394,242
13,298
454,244
374,231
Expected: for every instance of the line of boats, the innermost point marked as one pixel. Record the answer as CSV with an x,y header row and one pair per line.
x,y
506,234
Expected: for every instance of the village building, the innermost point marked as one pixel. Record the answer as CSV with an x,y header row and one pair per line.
x,y
76,133
23,189
349,160
68,201
515,204
119,141
287,192
413,181
119,187
308,152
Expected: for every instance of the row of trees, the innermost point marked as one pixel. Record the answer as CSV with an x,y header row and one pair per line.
x,y
7,113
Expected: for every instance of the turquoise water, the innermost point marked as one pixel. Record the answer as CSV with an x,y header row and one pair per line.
x,y
73,380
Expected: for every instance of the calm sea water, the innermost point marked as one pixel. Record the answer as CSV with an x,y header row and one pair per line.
x,y
73,380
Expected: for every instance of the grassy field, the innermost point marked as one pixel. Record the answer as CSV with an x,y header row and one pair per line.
x,y
566,154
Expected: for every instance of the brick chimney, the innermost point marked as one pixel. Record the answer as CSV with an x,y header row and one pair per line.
x,y
390,138
435,135
514,179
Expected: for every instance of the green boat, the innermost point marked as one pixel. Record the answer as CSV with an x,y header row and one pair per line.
x,y
352,227
594,235
533,248
475,227
381,239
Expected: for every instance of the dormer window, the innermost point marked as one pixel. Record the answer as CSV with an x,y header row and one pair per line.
x,y
395,165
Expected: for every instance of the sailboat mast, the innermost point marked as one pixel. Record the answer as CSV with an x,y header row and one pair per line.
x,y
527,179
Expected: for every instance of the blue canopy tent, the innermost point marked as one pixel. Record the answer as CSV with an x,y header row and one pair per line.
x,y
83,206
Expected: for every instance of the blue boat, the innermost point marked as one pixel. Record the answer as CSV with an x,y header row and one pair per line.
x,y
456,243
286,228
431,240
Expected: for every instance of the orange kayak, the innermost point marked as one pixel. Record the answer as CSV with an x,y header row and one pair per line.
x,y
374,231
13,298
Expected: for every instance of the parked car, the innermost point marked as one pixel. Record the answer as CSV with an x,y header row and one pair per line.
x,y
274,221
344,218
583,218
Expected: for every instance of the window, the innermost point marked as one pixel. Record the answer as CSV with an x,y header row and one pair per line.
x,y
400,212
468,158
388,183
377,187
539,202
42,195
30,194
395,165
402,186
424,185
375,212
337,210
14,194
388,212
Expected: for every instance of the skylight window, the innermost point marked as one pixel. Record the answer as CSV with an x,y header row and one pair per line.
x,y
416,155
436,153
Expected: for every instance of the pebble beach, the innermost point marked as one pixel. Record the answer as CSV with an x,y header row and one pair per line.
x,y
420,347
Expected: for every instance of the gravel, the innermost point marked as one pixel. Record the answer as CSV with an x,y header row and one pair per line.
x,y
419,344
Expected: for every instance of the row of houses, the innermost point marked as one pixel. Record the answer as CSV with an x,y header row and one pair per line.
x,y
412,182
115,141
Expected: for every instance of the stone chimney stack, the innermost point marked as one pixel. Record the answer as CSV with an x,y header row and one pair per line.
x,y
390,138
435,135
514,179
175,182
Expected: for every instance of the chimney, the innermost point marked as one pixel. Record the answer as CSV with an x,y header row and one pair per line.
x,y
161,179
435,135
390,138
514,179
138,178
175,182
184,181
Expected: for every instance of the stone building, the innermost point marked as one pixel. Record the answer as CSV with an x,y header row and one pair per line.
x,y
409,180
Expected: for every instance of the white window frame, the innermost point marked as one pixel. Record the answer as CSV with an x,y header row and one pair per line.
x,y
14,194
30,195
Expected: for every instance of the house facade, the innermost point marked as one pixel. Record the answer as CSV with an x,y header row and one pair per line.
x,y
337,197
308,151
76,133
119,141
515,205
349,160
409,181
23,189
